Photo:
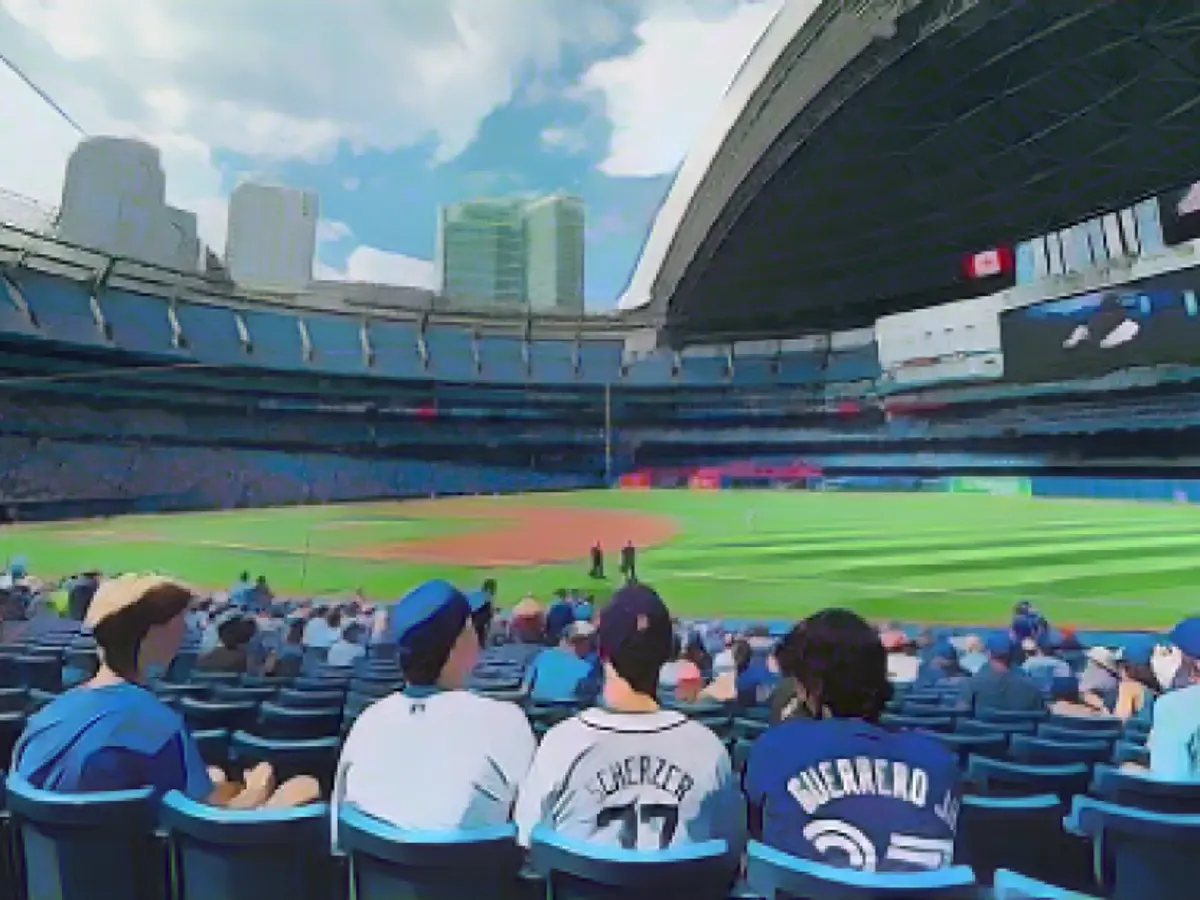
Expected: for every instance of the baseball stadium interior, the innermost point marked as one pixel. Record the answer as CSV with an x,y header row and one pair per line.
x,y
887,466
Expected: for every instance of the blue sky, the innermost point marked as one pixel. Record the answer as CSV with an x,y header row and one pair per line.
x,y
387,108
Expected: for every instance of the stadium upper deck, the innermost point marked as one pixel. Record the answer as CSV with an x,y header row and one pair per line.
x,y
867,147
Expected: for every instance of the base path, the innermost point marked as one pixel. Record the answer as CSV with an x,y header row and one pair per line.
x,y
525,535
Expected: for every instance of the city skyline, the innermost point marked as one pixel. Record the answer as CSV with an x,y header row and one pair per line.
x,y
386,114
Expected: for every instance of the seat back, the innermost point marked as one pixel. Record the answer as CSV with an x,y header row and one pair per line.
x,y
575,870
68,844
966,745
986,826
1148,854
774,875
387,862
1061,733
8,867
1012,886
1042,751
996,777
927,723
277,721
302,699
248,854
1139,792
206,715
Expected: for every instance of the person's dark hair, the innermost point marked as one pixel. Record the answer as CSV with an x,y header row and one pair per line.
x,y
295,632
640,659
422,661
840,662
120,635
352,632
334,618
1143,675
236,633
742,654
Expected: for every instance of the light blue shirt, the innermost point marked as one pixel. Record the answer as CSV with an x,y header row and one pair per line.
x,y
557,674
1174,742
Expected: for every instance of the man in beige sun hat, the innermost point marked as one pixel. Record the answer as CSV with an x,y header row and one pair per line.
x,y
112,733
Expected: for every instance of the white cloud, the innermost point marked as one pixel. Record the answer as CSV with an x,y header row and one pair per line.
x,y
662,95
563,139
296,78
331,231
351,183
375,266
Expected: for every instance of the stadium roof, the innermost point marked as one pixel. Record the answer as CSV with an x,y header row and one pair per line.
x,y
868,146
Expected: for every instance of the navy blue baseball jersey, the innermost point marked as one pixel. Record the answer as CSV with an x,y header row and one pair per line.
x,y
851,794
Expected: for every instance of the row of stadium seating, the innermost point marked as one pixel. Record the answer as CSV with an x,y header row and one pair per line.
x,y
71,313
297,725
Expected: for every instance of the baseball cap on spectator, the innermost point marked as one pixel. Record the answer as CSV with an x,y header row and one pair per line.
x,y
581,630
1137,652
999,646
426,625
1029,645
943,649
1186,636
635,636
527,608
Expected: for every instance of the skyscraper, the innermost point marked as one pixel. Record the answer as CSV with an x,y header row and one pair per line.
x,y
513,252
554,254
114,200
272,237
481,252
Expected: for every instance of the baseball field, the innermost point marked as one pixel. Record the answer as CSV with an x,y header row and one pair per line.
x,y
954,559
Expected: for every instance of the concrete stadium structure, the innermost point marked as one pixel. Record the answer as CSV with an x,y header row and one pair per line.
x,y
867,146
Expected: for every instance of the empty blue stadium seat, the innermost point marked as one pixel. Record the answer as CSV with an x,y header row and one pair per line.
x,y
1024,717
313,756
1142,792
999,778
69,844
13,699
1124,751
388,862
1024,833
576,870
41,672
11,726
928,723
1146,854
275,721
1061,733
205,715
776,876
249,854
236,693
975,726
213,746
301,699
8,867
1042,751
967,745
1012,886
1084,723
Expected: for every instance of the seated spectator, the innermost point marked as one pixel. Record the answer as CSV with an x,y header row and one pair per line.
x,y
323,629
527,624
267,638
560,614
902,660
112,734
287,661
239,594
629,774
997,685
585,609
1099,681
756,682
231,654
838,788
723,688
1027,623
80,593
348,647
559,671
1174,742
679,669
973,657
1041,667
941,667
435,756
1137,689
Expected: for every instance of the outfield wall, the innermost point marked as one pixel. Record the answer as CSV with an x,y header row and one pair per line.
x,y
1161,490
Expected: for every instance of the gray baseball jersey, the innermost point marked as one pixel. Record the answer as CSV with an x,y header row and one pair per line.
x,y
644,781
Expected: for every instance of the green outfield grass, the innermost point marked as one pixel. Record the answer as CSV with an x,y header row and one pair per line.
x,y
752,554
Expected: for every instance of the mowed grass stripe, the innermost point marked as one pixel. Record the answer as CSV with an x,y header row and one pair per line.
x,y
799,545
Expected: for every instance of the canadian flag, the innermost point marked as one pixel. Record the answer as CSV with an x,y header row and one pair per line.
x,y
988,263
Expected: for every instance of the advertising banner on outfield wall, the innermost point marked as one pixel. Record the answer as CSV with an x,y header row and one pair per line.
x,y
1094,334
1011,486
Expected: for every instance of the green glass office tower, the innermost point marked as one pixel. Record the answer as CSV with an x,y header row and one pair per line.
x,y
521,251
